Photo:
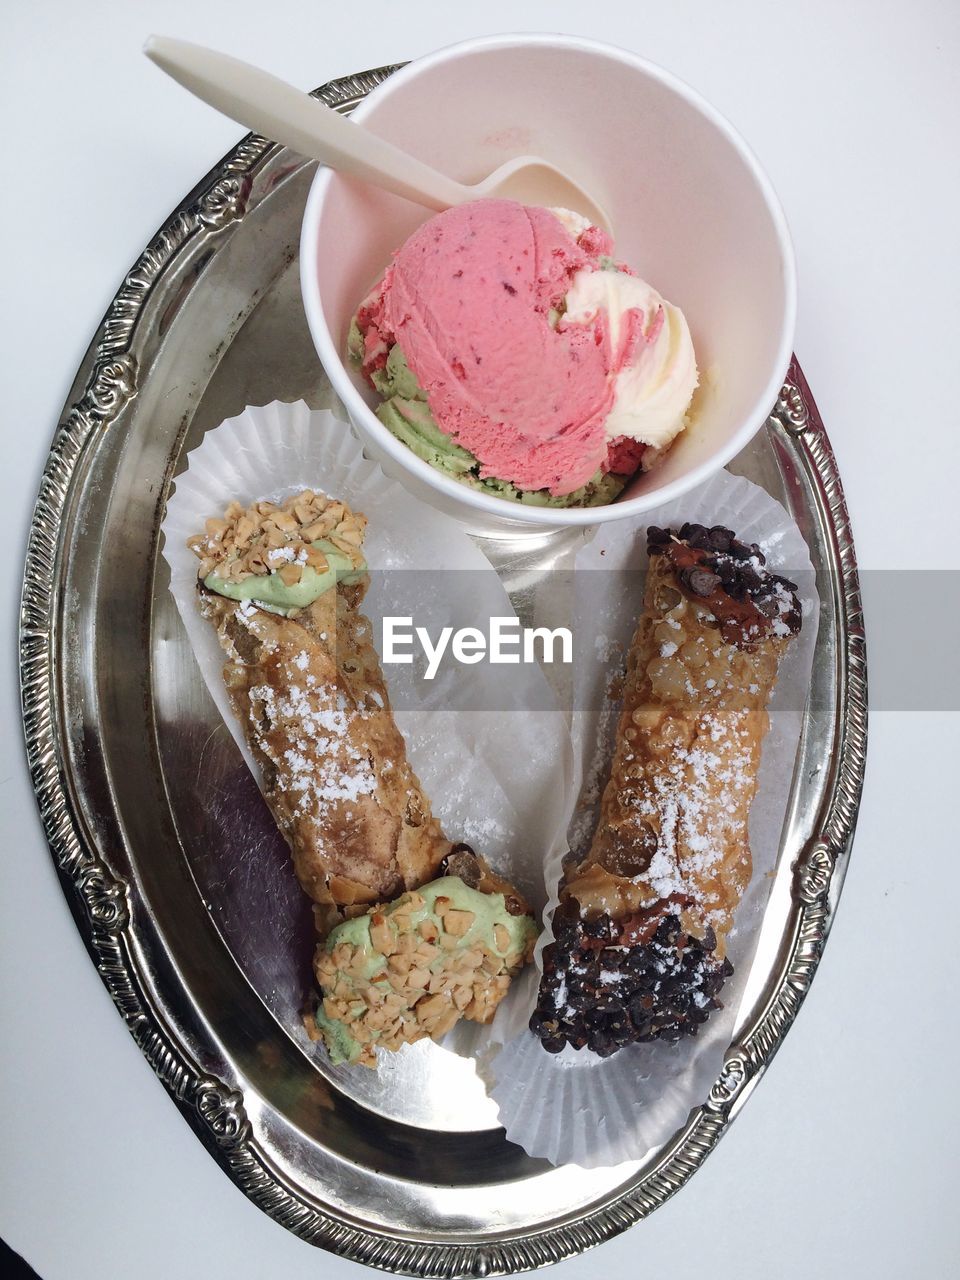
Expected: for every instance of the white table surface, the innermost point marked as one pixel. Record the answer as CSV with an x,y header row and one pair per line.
x,y
842,1164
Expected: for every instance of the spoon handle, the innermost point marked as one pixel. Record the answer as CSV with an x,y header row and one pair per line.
x,y
282,113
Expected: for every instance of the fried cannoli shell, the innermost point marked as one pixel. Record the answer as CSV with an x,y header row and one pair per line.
x,y
670,857
310,695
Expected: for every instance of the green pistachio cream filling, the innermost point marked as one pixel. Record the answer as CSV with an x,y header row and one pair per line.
x,y
270,592
504,935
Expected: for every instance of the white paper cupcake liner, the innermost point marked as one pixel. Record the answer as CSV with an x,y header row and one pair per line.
x,y
479,768
575,1107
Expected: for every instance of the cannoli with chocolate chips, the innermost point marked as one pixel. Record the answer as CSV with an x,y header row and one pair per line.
x,y
640,932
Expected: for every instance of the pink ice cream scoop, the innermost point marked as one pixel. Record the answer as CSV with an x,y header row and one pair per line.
x,y
474,300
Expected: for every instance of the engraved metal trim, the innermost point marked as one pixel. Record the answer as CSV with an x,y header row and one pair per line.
x,y
105,903
791,409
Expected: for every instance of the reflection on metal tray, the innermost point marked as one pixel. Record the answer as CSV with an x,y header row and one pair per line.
x,y
138,783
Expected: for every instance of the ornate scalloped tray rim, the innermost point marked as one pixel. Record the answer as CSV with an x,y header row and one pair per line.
x,y
107,379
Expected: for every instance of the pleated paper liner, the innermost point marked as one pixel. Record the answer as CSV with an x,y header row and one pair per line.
x,y
506,779
576,1107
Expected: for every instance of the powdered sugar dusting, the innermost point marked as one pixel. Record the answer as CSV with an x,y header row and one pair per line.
x,y
321,765
696,801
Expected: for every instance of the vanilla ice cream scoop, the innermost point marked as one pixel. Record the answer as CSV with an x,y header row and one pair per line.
x,y
657,377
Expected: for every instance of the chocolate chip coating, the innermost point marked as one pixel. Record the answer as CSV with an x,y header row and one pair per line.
x,y
702,582
714,566
463,862
604,998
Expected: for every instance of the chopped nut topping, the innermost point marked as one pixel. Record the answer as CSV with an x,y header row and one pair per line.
x,y
406,944
430,1007
457,922
381,935
418,978
430,979
266,538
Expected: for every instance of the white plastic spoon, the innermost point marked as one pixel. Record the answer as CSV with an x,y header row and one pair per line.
x,y
278,111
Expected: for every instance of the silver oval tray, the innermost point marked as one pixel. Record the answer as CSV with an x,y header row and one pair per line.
x,y
134,771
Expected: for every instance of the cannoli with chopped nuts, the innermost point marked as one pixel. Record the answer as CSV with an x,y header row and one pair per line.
x,y
640,932
282,584
412,968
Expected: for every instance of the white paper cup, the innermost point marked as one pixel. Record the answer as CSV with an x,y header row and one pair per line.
x,y
692,212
